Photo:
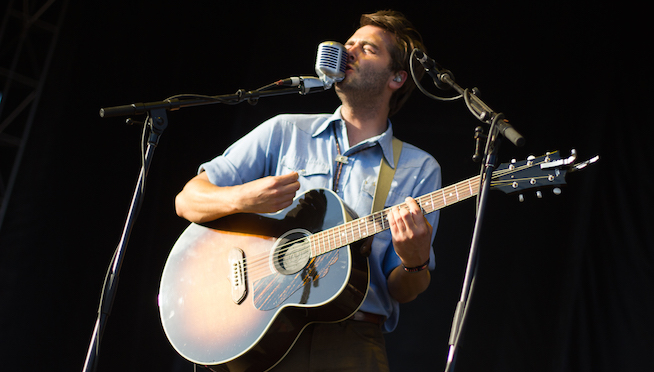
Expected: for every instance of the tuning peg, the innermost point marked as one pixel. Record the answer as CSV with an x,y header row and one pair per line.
x,y
521,198
539,194
557,191
530,160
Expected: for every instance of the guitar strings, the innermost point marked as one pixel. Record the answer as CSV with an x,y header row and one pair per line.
x,y
326,240
373,220
335,236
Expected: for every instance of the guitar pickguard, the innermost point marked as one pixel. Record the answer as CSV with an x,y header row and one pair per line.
x,y
275,290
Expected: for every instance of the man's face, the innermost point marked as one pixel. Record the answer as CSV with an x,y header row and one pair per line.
x,y
368,69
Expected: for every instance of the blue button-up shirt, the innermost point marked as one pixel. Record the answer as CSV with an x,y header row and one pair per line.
x,y
305,144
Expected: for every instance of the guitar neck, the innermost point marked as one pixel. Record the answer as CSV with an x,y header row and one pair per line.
x,y
364,227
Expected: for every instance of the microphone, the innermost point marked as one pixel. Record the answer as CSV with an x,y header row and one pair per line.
x,y
437,73
330,67
330,62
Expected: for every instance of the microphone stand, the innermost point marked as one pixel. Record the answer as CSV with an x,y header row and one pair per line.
x,y
157,122
305,86
498,125
491,151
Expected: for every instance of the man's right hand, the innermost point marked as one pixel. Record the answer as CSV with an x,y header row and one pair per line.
x,y
268,194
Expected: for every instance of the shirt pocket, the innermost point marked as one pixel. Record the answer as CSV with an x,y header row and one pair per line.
x,y
315,172
366,195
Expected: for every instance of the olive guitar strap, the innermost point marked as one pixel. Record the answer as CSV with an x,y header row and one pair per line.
x,y
385,177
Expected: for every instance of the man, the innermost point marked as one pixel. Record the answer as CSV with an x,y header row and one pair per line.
x,y
289,154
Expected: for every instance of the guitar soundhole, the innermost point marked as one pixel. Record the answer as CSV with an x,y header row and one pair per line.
x,y
292,252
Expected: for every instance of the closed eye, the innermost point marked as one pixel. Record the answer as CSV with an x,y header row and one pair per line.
x,y
366,46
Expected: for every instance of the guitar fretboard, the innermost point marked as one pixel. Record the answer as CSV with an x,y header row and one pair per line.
x,y
360,228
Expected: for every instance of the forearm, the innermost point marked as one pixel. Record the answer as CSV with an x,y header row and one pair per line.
x,y
405,286
201,201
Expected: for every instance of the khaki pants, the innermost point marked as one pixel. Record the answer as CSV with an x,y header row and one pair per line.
x,y
345,346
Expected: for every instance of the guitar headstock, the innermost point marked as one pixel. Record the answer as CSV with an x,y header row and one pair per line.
x,y
547,171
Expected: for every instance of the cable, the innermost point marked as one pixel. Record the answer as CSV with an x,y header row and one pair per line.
x,y
422,89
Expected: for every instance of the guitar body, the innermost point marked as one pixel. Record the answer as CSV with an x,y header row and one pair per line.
x,y
237,292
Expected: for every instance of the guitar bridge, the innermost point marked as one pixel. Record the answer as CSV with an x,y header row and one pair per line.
x,y
236,262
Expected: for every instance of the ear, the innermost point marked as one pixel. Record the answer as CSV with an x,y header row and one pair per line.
x,y
398,79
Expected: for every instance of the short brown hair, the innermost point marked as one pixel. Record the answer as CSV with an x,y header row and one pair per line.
x,y
406,38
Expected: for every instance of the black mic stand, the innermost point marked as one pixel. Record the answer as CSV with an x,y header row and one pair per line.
x,y
492,148
498,125
156,122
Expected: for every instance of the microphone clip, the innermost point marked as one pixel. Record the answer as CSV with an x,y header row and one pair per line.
x,y
310,84
305,84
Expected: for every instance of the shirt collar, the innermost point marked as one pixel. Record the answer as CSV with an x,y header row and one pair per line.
x,y
385,139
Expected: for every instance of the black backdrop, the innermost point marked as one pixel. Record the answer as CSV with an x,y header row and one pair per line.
x,y
564,282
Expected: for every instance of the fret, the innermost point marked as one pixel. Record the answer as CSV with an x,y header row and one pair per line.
x,y
313,246
350,237
330,240
422,204
319,245
323,242
348,234
359,226
341,235
450,194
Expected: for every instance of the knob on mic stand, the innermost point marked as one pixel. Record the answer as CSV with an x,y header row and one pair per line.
x,y
479,135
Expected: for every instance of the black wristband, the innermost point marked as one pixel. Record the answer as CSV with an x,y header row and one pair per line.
x,y
417,268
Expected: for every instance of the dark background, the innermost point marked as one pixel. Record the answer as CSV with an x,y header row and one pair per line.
x,y
564,282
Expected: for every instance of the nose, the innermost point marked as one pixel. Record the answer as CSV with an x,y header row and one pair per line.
x,y
351,51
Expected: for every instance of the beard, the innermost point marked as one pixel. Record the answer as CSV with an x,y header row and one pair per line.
x,y
363,88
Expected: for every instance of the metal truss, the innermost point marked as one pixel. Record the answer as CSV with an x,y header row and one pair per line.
x,y
28,37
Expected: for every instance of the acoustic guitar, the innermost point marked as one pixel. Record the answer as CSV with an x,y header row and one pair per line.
x,y
237,292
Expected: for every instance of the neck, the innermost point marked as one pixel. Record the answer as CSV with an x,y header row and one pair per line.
x,y
363,123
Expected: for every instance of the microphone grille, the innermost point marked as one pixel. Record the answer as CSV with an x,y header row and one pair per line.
x,y
331,62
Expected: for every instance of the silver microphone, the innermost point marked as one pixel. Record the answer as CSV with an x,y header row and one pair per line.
x,y
330,62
